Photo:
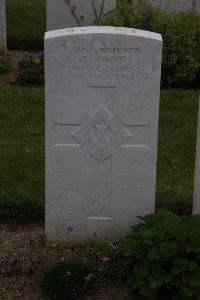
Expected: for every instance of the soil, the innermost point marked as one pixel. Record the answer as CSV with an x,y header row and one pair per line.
x,y
24,257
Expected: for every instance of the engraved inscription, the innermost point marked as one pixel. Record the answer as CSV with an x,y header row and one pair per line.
x,y
119,50
103,64
101,134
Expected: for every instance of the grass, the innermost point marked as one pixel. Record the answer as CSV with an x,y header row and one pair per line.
x,y
176,149
22,150
26,23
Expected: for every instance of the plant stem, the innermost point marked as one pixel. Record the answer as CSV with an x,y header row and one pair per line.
x,y
73,12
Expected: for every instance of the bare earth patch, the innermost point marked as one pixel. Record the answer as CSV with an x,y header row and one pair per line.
x,y
14,58
24,257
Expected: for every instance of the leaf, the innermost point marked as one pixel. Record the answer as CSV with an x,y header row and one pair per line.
x,y
154,253
142,270
181,265
188,291
149,237
192,265
168,248
147,291
129,248
178,266
195,243
192,278
188,248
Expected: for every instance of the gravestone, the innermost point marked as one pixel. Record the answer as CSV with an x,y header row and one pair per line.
x,y
73,13
196,195
175,5
3,44
102,106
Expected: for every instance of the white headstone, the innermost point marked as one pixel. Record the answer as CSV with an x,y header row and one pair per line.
x,y
175,5
73,13
102,106
3,44
196,196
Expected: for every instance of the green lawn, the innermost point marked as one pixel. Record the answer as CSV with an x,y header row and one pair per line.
x,y
22,150
26,23
176,148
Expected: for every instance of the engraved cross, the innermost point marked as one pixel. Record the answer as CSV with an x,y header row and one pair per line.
x,y
100,135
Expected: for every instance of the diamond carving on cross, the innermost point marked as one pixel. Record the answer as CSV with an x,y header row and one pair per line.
x,y
101,134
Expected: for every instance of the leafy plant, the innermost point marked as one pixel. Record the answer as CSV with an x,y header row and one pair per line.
x,y
66,280
181,38
181,56
164,254
32,73
105,259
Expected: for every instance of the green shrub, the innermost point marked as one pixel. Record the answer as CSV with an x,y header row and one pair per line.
x,y
140,15
4,65
32,73
163,254
181,55
66,280
181,39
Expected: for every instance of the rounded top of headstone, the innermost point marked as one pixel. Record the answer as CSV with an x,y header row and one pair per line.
x,y
102,30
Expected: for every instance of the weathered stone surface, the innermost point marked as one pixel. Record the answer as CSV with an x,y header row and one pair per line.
x,y
102,105
101,134
175,5
196,195
73,13
3,43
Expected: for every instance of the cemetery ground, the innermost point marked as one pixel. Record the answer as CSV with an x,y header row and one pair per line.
x,y
23,255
